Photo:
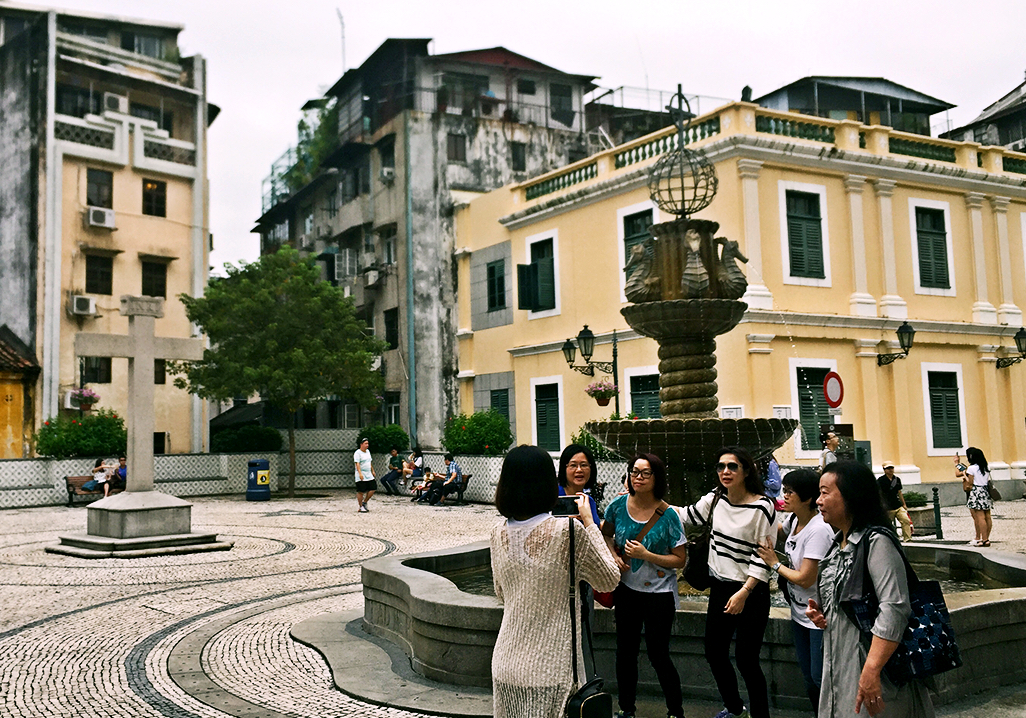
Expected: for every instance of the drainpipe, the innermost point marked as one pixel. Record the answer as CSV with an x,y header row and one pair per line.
x,y
52,291
411,351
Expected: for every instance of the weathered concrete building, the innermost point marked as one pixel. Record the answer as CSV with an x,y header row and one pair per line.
x,y
103,193
411,137
1001,123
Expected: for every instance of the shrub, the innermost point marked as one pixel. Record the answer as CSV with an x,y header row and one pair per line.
x,y
245,438
383,438
483,432
100,433
601,453
914,499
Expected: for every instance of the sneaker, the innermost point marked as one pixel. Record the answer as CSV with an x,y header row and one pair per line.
x,y
362,509
727,714
365,509
975,542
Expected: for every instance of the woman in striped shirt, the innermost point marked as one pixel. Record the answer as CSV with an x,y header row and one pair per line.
x,y
739,601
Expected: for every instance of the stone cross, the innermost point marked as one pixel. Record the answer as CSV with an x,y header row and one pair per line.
x,y
141,348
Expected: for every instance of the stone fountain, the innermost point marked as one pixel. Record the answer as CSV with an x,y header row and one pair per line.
x,y
685,289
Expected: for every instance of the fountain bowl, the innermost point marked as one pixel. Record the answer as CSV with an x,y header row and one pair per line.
x,y
680,318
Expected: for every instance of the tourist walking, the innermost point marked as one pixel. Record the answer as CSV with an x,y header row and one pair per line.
x,y
647,539
531,662
739,601
976,480
894,500
853,677
807,538
365,482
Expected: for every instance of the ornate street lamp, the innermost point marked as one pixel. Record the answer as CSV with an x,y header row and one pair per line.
x,y
1020,346
586,343
905,336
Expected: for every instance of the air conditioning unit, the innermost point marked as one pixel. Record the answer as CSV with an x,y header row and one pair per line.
x,y
100,217
388,175
115,103
85,306
69,401
371,277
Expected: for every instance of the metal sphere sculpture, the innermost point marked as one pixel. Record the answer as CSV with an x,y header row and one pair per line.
x,y
682,181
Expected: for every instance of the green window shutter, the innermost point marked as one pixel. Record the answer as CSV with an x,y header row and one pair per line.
x,y
496,285
944,415
645,396
932,248
500,401
546,401
527,286
546,277
805,235
813,411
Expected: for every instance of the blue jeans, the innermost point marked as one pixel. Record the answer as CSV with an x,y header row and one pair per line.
x,y
390,481
808,645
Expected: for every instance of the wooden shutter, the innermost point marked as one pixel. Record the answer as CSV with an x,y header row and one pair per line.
x,y
645,397
945,418
500,401
527,286
932,248
805,235
813,411
546,278
546,400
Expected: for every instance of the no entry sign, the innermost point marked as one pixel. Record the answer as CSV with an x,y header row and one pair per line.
x,y
833,389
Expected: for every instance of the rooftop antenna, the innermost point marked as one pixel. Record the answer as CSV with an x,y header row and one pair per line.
x,y
342,22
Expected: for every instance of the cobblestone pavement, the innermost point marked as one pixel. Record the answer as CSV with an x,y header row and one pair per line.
x,y
92,638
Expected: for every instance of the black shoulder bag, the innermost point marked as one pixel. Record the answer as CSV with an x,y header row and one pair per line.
x,y
589,701
928,646
696,571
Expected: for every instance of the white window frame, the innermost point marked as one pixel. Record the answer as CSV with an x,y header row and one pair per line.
x,y
925,368
914,202
538,381
552,234
785,255
736,411
620,251
634,370
350,257
794,363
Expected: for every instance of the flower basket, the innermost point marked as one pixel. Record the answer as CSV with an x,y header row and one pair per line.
x,y
601,391
85,398
602,400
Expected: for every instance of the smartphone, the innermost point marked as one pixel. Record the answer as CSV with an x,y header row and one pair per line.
x,y
565,506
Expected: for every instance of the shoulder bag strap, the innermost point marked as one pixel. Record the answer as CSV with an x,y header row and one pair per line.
x,y
573,612
656,515
712,510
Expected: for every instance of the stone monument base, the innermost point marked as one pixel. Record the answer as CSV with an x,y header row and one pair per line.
x,y
134,524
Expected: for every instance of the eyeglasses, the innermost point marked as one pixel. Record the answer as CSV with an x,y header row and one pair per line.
x,y
644,474
788,492
575,467
721,467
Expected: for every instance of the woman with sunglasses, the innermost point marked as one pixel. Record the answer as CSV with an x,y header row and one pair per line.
x,y
742,517
647,595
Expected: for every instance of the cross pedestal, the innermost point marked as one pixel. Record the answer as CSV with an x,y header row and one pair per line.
x,y
139,521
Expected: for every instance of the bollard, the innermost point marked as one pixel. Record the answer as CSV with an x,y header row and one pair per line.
x,y
936,513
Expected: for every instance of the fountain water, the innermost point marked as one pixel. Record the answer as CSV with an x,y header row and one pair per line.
x,y
685,285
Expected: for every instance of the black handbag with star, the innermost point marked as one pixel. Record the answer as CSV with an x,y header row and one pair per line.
x,y
928,646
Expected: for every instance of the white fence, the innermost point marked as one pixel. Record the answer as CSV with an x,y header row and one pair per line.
x,y
324,460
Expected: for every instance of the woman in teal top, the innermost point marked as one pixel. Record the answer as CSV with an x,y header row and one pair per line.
x,y
647,594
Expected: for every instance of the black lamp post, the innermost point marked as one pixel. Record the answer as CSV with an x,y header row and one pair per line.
x,y
905,336
1020,346
586,342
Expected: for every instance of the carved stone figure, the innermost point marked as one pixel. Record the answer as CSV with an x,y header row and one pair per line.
x,y
732,283
643,284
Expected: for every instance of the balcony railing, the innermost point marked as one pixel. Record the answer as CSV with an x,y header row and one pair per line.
x,y
169,153
792,126
923,150
83,134
658,146
563,180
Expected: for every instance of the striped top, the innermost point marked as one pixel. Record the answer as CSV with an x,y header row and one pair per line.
x,y
735,535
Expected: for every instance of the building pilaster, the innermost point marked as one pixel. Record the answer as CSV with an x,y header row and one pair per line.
x,y
758,296
862,302
983,311
1008,312
891,303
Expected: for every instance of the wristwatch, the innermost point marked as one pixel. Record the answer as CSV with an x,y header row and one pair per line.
x,y
776,566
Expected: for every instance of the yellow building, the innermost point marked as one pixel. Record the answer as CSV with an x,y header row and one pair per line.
x,y
848,228
103,144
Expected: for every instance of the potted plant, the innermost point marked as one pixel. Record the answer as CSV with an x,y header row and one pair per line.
x,y
920,513
602,391
85,398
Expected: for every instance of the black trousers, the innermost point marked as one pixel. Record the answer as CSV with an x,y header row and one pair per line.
x,y
747,629
654,612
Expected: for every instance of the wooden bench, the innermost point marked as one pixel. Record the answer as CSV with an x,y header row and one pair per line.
x,y
75,484
461,489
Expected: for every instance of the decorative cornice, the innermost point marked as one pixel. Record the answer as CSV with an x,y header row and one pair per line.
x,y
867,347
622,335
884,187
974,200
999,204
987,352
749,169
760,343
842,321
854,184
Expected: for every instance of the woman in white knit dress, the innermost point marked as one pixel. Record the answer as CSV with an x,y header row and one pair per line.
x,y
531,670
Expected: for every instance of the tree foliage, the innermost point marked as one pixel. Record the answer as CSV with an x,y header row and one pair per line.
x,y
278,331
383,438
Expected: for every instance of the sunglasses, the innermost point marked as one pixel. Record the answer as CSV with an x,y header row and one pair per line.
x,y
721,467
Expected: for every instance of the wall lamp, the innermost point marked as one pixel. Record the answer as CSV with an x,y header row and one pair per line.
x,y
905,336
586,342
1020,346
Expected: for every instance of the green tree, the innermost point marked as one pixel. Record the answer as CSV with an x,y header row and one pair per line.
x,y
278,331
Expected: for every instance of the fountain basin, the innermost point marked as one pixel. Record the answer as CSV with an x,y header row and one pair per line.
x,y
679,318
449,634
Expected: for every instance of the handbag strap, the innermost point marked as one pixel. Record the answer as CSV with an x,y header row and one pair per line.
x,y
652,521
573,611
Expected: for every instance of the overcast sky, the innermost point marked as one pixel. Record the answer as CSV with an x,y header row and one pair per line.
x,y
265,59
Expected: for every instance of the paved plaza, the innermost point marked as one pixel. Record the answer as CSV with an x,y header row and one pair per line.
x,y
100,638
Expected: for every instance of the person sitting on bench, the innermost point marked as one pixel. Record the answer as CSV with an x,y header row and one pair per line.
x,y
424,483
395,471
453,482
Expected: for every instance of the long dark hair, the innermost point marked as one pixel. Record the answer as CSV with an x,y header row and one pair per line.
x,y
861,495
527,483
658,474
975,456
753,479
569,453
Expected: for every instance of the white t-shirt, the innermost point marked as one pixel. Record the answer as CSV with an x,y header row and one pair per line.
x,y
813,542
980,478
363,460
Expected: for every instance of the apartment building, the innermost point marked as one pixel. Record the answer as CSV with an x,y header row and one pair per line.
x,y
103,145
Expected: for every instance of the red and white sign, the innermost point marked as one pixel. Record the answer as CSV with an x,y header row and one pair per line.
x,y
833,389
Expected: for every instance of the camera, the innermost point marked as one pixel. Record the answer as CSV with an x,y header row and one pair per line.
x,y
565,506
